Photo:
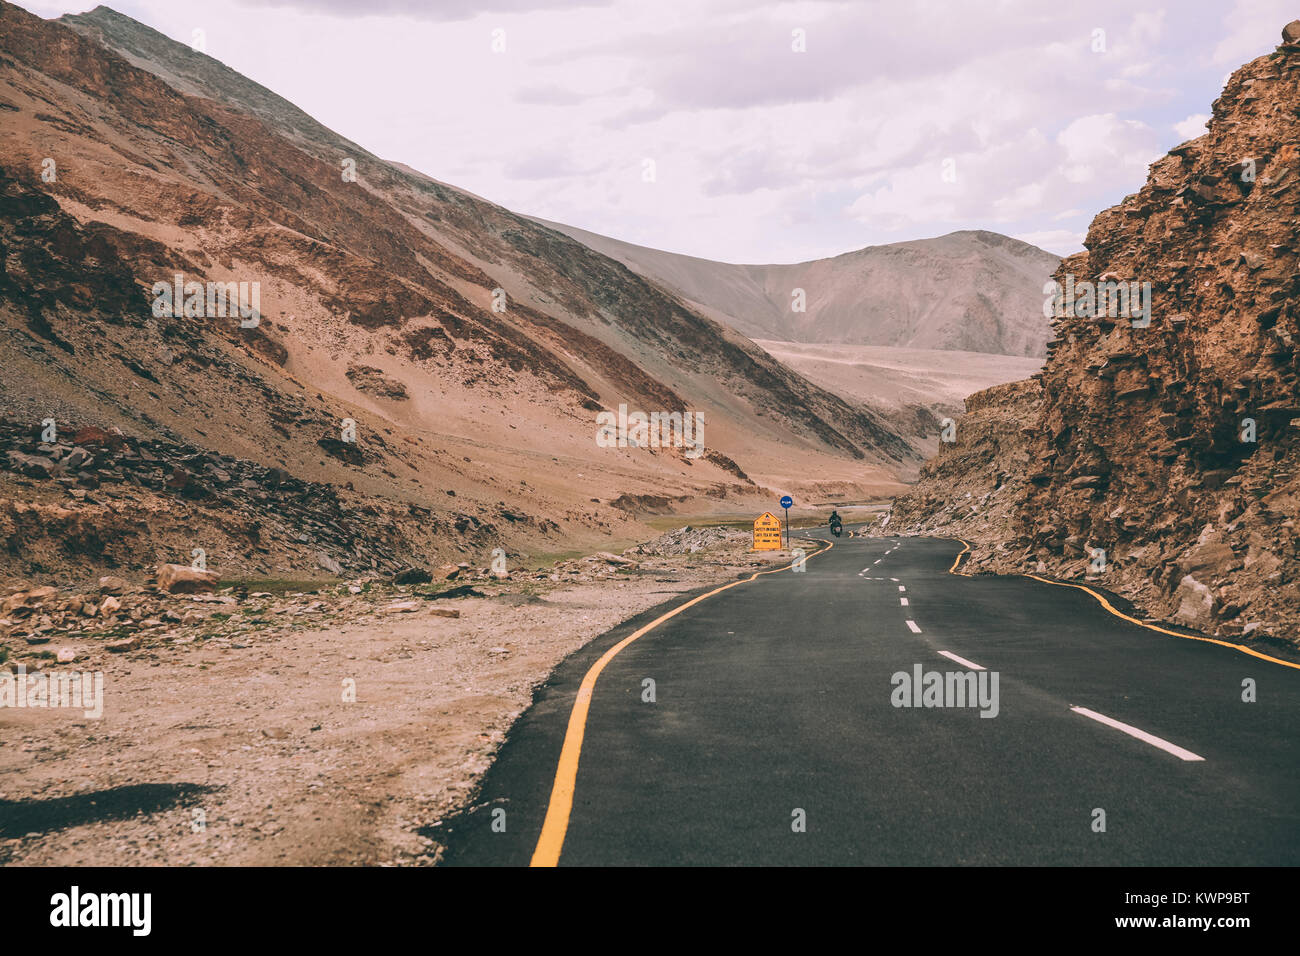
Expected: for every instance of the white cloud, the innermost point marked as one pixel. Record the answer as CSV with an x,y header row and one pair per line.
x,y
1252,28
1105,140
762,154
1193,126
1061,242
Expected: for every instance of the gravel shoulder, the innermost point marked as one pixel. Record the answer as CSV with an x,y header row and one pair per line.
x,y
236,741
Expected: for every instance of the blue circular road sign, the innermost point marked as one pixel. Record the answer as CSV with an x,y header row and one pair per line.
x,y
787,501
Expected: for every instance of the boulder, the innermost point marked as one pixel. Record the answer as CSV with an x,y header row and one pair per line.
x,y
33,466
403,607
1195,601
609,558
27,599
366,378
1209,560
182,579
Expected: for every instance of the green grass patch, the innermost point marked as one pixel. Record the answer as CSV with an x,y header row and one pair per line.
x,y
115,633
546,559
279,586
666,523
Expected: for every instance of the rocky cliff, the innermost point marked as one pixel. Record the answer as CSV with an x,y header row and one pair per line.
x,y
1157,453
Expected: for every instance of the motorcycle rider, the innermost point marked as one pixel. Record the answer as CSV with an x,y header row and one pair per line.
x,y
835,519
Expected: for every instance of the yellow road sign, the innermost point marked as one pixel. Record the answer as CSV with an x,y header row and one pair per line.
x,y
767,532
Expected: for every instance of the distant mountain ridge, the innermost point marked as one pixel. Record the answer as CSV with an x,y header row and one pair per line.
x,y
973,291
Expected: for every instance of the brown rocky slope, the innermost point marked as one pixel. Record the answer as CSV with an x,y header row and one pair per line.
x,y
1137,442
127,158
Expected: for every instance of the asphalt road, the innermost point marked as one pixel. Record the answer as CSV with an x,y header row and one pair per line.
x,y
774,704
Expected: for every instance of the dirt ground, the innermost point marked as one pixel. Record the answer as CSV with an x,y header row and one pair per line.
x,y
238,746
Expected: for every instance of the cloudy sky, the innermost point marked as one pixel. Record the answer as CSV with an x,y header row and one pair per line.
x,y
699,126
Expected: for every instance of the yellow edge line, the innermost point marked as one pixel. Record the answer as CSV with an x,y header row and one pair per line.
x,y
1151,627
556,824
1132,620
957,560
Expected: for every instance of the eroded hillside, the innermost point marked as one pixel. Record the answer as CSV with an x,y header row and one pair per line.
x,y
415,345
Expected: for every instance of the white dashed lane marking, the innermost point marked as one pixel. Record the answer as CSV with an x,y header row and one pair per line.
x,y
903,601
961,660
912,625
1132,731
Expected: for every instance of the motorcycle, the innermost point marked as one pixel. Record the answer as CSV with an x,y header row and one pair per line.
x,y
837,529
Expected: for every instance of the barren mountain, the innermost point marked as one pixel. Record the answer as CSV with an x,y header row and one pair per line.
x,y
420,355
1162,460
973,291
914,389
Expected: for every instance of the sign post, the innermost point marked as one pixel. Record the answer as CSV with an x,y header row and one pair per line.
x,y
786,502
767,532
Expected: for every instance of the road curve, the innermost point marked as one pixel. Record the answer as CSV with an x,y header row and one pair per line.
x,y
774,737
